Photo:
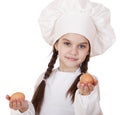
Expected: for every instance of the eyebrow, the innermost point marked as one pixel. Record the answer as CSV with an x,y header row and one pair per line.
x,y
66,39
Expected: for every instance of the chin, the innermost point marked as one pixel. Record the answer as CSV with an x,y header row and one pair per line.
x,y
72,66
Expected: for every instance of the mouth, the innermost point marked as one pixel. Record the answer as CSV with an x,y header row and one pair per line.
x,y
71,58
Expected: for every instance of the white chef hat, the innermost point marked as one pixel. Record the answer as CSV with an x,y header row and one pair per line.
x,y
83,17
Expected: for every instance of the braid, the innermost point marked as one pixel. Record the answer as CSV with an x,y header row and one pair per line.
x,y
83,68
51,64
38,96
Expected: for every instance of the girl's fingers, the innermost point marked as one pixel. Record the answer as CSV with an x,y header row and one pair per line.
x,y
8,97
15,104
85,89
82,89
95,81
19,104
10,104
91,87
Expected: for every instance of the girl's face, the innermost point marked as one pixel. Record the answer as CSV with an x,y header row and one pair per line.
x,y
72,51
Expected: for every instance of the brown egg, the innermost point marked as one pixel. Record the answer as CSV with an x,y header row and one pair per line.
x,y
18,95
87,78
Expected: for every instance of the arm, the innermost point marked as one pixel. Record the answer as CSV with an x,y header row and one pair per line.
x,y
88,104
22,107
30,108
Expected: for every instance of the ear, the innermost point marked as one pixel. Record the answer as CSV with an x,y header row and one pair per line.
x,y
56,45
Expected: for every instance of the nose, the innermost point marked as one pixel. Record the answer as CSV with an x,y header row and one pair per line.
x,y
74,51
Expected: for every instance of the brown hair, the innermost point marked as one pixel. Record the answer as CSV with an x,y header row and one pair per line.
x,y
38,96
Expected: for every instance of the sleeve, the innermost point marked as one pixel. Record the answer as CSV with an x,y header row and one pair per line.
x,y
30,111
88,105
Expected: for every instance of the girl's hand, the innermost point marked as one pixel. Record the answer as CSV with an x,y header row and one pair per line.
x,y
86,88
17,104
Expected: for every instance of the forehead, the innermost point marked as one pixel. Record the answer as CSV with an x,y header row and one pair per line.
x,y
73,37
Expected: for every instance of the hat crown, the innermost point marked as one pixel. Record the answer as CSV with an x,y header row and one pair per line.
x,y
56,13
74,4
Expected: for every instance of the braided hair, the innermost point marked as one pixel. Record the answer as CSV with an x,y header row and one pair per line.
x,y
38,96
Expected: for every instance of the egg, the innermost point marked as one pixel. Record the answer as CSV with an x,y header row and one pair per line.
x,y
18,95
87,78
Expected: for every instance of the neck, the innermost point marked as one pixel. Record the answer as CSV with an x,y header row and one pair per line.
x,y
67,69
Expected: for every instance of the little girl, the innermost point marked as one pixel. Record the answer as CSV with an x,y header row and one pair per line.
x,y
77,30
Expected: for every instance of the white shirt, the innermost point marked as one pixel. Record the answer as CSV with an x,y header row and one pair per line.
x,y
55,100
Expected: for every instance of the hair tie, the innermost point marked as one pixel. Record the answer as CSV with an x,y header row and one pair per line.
x,y
44,79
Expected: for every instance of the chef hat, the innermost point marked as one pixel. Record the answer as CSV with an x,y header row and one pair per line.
x,y
83,17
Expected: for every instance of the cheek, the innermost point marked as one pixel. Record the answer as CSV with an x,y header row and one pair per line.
x,y
82,56
61,52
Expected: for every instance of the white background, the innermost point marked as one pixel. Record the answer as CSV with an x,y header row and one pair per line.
x,y
24,54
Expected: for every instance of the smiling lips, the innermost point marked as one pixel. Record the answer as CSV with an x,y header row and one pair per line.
x,y
71,58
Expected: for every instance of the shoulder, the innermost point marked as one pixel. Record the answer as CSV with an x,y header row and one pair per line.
x,y
41,77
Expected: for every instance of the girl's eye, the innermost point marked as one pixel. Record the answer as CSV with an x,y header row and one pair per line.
x,y
67,43
82,46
